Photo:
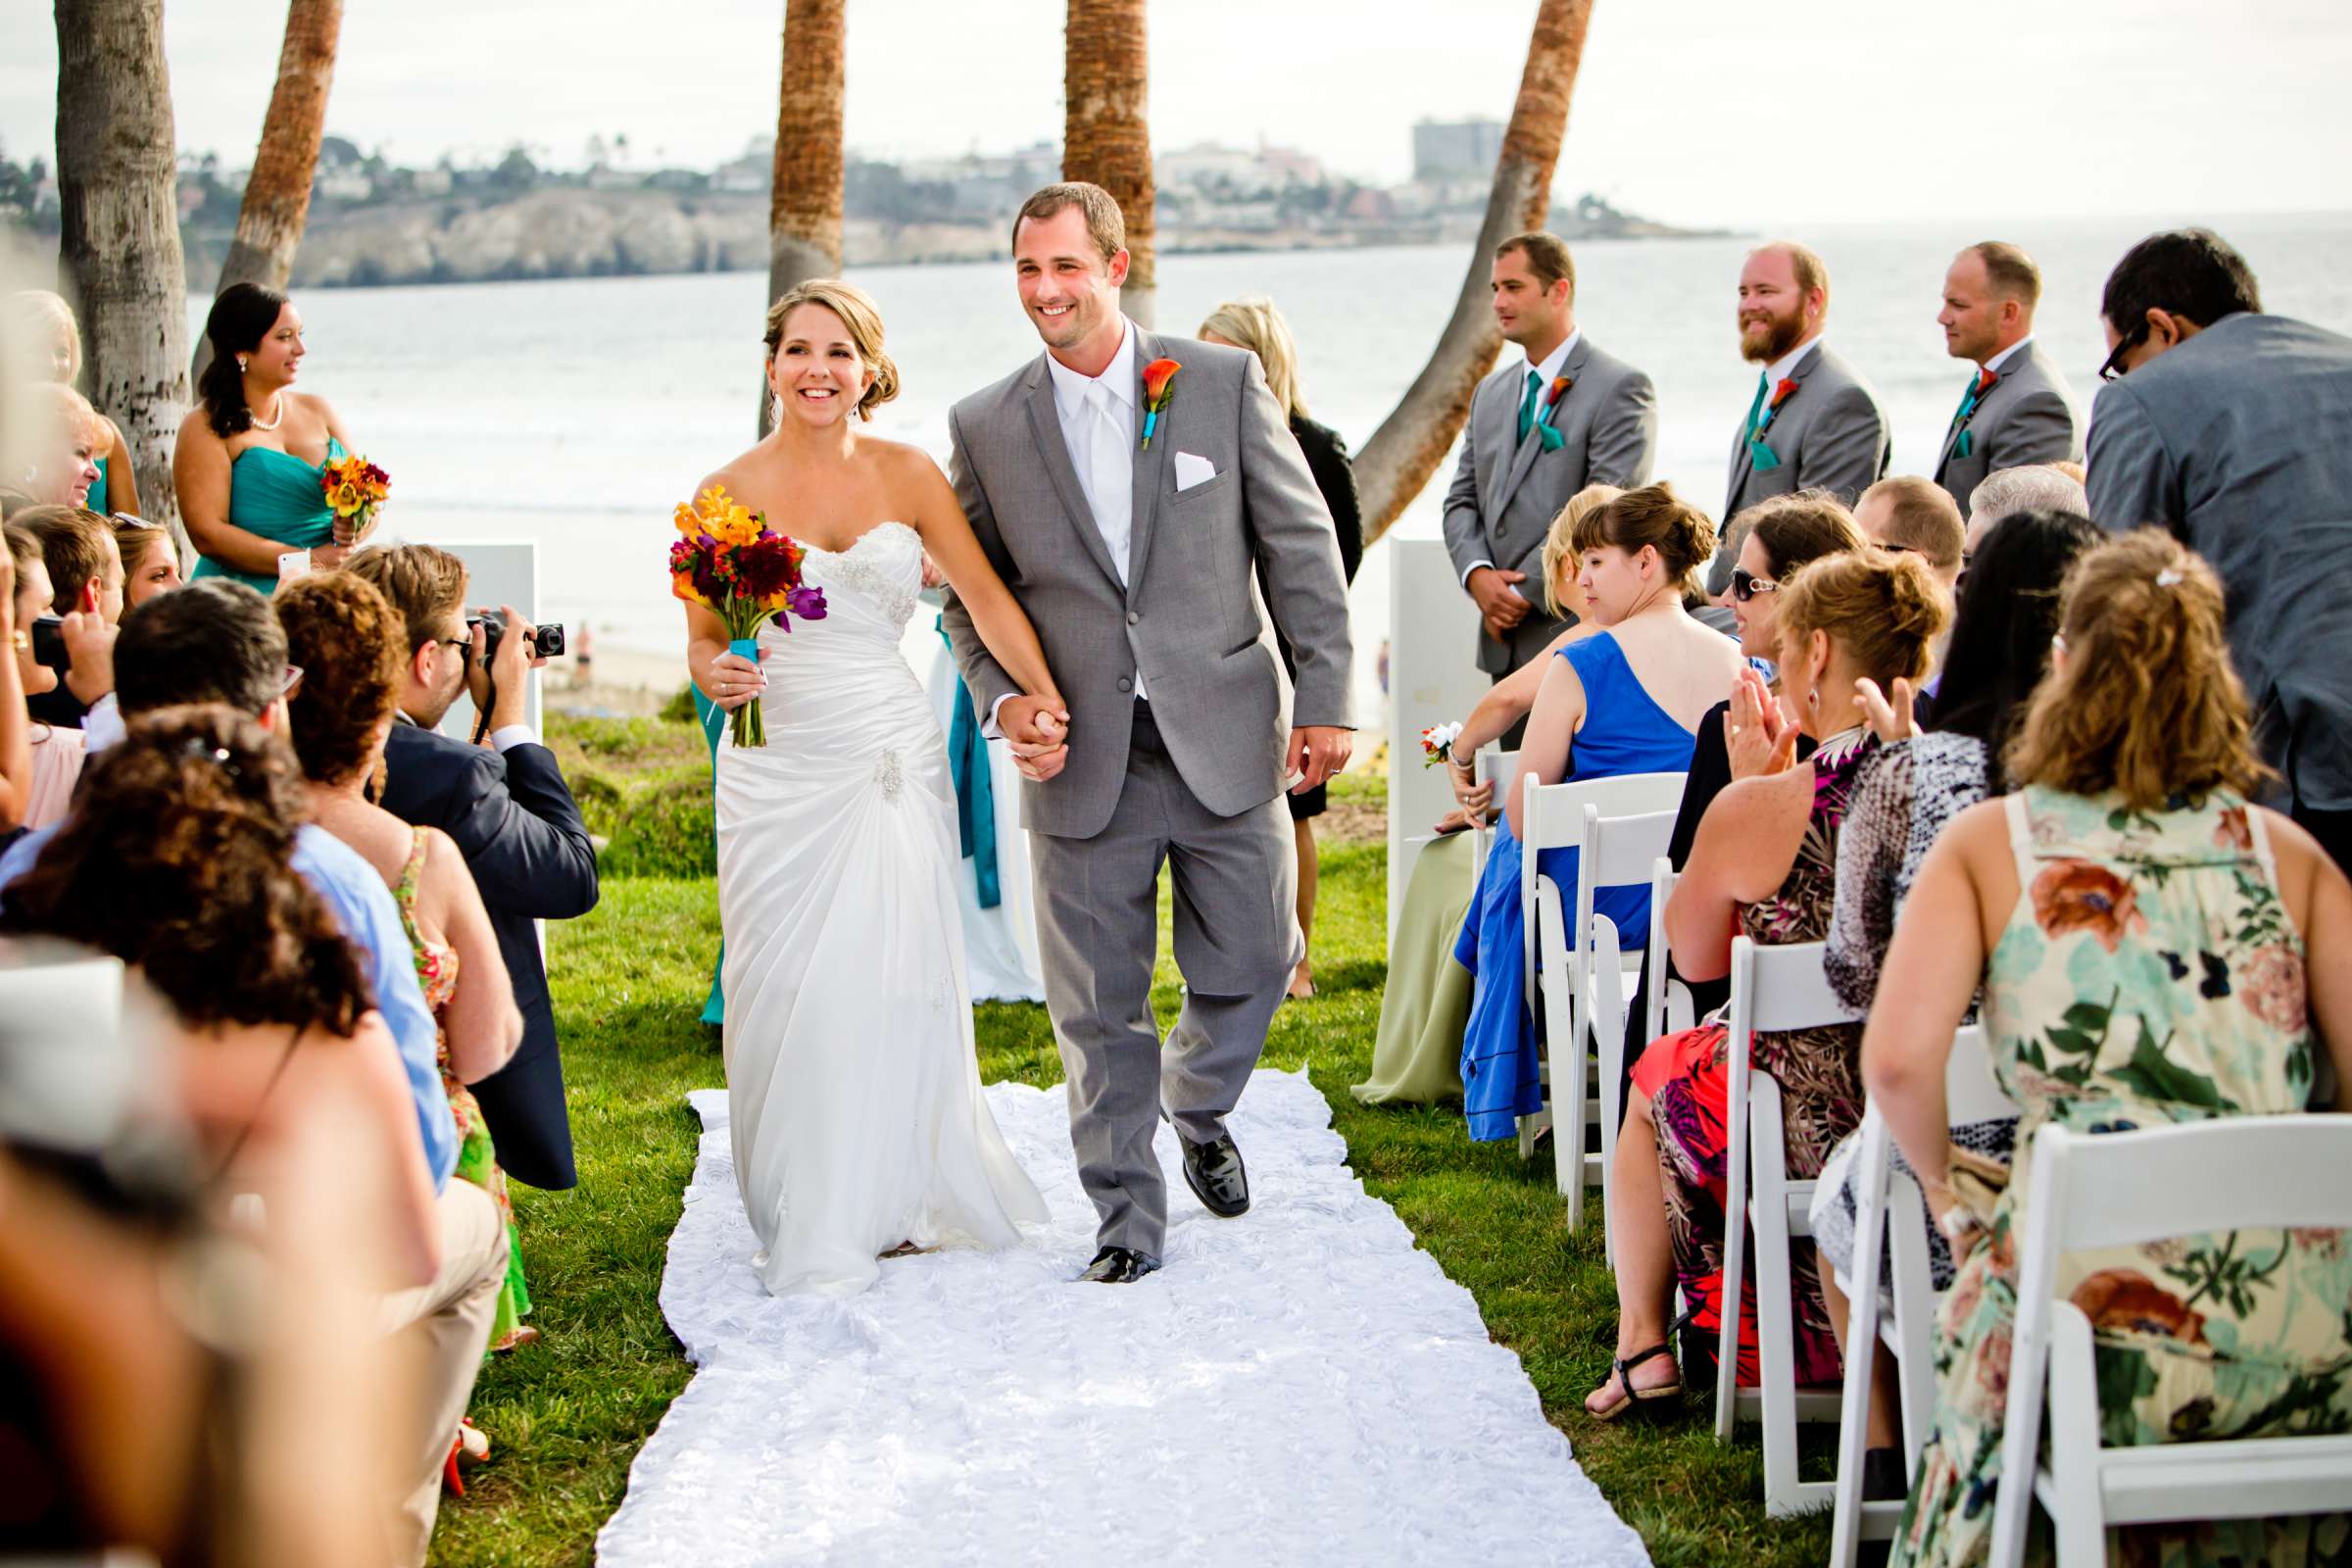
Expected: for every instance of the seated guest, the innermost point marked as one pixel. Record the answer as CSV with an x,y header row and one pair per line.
x,y
1765,864
1902,798
150,559
2145,941
1777,537
1908,512
215,915
52,445
1623,700
43,332
352,648
513,820
1425,1001
85,580
2233,430
2033,487
40,761
218,643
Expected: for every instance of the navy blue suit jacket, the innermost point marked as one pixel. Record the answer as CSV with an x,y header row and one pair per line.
x,y
515,821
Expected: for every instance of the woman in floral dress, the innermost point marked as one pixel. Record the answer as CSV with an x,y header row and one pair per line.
x,y
1766,858
2139,931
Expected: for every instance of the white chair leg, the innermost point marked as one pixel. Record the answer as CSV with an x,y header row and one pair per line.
x,y
1861,1342
2074,1400
1735,1248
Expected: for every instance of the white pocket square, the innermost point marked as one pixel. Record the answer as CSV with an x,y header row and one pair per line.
x,y
1191,469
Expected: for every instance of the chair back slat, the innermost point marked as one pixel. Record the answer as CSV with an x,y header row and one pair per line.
x,y
1553,815
1622,850
2235,1172
1792,991
1970,1093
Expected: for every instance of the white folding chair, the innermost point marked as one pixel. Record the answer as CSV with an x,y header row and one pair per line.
x,y
1666,1006
1886,1208
1492,767
1554,816
56,1005
1774,988
2117,1189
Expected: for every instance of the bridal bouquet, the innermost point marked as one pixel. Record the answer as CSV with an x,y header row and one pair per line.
x,y
746,574
354,488
1437,743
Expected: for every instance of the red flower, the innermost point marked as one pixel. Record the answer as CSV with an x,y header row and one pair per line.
x,y
1783,392
2079,896
1985,380
1156,377
1559,390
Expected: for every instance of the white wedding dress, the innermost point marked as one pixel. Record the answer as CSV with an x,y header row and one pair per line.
x,y
852,1090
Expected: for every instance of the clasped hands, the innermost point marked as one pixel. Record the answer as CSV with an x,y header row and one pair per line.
x,y
1760,736
1501,605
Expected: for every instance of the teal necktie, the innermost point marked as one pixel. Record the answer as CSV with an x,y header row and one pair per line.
x,y
1968,401
1755,410
1527,404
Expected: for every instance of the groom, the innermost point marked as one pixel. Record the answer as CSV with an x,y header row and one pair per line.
x,y
1135,563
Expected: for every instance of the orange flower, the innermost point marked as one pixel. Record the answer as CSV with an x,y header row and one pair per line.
x,y
1156,377
2232,831
2079,896
2127,1301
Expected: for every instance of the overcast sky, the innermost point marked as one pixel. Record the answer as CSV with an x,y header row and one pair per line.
x,y
1692,111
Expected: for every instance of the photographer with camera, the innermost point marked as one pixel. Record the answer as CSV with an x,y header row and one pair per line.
x,y
505,802
40,761
85,580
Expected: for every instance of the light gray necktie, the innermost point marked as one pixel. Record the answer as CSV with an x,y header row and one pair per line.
x,y
1111,475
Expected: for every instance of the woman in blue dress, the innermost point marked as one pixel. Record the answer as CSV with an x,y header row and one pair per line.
x,y
250,454
1626,699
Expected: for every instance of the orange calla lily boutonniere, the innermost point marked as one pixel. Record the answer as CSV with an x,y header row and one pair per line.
x,y
1159,378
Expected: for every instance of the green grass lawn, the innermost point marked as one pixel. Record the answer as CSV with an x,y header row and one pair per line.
x,y
566,1415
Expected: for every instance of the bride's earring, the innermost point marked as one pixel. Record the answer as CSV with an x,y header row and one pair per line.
x,y
243,365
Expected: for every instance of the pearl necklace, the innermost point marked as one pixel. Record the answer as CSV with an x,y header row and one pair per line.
x,y
280,418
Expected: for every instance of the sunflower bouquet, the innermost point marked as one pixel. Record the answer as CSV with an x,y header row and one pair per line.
x,y
733,564
354,488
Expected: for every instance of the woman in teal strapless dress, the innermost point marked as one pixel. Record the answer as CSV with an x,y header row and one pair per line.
x,y
249,457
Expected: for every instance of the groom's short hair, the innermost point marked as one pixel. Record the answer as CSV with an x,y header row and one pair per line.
x,y
1104,224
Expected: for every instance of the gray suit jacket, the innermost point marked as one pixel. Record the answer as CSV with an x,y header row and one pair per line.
x,y
1187,617
2027,415
1830,435
1506,492
2239,441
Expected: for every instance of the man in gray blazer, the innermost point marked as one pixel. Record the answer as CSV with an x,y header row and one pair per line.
x,y
1129,515
1814,423
1542,427
2234,430
2016,407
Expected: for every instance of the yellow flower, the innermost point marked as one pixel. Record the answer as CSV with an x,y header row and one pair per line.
x,y
346,496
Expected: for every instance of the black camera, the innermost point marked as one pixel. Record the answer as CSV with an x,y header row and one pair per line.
x,y
49,643
547,642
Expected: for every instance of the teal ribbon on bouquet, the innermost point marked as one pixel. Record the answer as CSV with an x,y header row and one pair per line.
x,y
975,793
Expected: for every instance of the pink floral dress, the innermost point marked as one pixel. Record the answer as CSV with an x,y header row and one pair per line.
x,y
478,1159
2149,975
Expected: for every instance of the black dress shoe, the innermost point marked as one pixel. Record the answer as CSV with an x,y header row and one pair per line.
x,y
1213,1172
1118,1265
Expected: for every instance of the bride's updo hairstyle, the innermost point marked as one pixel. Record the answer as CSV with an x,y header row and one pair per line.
x,y
240,318
1884,607
2145,701
1656,518
860,314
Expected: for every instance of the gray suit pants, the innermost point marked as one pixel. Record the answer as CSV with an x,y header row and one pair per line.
x,y
1097,927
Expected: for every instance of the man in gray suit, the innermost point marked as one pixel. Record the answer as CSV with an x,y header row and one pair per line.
x,y
2016,407
1814,423
2234,430
1541,428
1127,513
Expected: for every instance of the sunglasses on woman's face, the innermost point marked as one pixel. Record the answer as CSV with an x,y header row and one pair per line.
x,y
1745,585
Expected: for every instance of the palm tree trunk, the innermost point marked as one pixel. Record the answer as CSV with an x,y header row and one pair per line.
x,y
118,210
804,209
1413,439
1107,132
277,195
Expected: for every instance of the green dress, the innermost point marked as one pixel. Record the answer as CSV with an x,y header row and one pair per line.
x,y
2148,975
276,495
477,1159
1417,1054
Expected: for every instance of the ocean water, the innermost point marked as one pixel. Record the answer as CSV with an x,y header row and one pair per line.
x,y
576,413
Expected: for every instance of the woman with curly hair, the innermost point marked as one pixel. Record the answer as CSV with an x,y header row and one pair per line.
x,y
351,646
2140,932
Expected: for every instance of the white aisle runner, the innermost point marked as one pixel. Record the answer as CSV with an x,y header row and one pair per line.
x,y
1301,1386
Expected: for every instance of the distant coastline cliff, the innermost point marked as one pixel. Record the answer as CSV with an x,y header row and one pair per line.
x,y
564,233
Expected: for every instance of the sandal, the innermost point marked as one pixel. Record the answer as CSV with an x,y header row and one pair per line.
x,y
1664,1392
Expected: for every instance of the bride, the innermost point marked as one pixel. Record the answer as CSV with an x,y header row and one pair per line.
x,y
852,1089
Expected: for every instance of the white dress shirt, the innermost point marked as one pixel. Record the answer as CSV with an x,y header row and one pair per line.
x,y
1550,370
2010,353
1101,427
1781,368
